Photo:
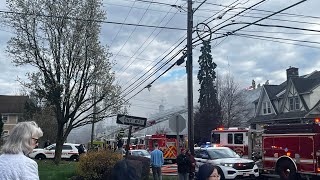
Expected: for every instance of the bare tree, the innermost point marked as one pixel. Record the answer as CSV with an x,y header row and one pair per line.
x,y
73,74
234,106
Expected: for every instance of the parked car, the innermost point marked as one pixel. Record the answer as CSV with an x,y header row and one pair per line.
x,y
140,152
69,151
230,165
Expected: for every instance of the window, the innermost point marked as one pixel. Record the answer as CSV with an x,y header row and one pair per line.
x,y
66,147
297,103
266,107
238,138
5,118
294,103
216,138
230,138
5,132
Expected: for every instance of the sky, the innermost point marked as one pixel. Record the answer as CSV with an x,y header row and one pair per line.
x,y
142,50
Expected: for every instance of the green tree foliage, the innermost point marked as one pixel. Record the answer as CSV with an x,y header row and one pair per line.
x,y
209,113
72,69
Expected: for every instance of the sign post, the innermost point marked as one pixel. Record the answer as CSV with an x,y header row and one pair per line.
x,y
178,138
177,124
132,121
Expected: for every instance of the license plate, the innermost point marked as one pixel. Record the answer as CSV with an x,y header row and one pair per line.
x,y
246,174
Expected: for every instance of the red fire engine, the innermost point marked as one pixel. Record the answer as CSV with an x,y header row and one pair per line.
x,y
292,150
166,143
234,138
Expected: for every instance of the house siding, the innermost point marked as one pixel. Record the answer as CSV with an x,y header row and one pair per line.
x,y
264,99
12,121
314,97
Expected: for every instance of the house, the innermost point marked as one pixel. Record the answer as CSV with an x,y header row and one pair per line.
x,y
11,109
297,100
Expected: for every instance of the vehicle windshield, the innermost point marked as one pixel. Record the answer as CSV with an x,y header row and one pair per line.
x,y
222,153
141,153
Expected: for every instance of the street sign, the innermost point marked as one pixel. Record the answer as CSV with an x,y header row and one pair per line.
x,y
131,120
177,123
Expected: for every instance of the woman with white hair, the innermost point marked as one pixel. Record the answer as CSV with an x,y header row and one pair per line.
x,y
14,163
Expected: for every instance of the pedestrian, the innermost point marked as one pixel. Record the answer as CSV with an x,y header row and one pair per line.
x,y
156,162
184,166
208,172
81,149
192,169
14,163
47,143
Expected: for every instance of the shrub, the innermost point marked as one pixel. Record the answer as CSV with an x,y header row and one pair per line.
x,y
145,165
97,165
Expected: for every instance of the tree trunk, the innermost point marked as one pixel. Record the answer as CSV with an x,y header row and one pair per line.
x,y
59,144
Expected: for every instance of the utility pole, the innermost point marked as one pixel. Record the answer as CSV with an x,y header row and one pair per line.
x,y
94,113
189,78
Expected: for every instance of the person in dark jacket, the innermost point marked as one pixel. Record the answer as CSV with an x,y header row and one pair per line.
x,y
81,149
192,169
127,170
184,165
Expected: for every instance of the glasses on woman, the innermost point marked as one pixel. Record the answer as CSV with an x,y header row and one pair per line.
x,y
35,140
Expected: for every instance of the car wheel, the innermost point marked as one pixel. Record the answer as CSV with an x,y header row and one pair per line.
x,y
74,158
287,170
40,157
221,174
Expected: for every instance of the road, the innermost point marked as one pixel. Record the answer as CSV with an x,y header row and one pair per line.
x,y
171,170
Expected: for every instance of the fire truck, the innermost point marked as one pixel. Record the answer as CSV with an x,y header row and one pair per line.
x,y
292,150
235,138
166,143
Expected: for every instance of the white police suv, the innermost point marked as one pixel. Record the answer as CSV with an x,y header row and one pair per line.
x,y
69,151
230,165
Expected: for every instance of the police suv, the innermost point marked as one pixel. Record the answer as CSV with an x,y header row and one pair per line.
x,y
69,151
229,164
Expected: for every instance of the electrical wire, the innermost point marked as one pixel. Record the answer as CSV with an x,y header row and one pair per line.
x,y
125,19
261,10
154,37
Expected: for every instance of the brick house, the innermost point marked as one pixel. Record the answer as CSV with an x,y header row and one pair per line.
x,y
11,109
296,100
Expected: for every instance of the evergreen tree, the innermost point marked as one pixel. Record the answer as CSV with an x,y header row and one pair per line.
x,y
208,116
1,129
1,125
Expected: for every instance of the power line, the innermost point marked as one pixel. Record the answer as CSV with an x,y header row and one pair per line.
x,y
175,56
261,10
265,39
92,20
148,39
122,25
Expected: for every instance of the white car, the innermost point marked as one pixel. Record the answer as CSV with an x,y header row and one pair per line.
x,y
230,165
140,152
69,151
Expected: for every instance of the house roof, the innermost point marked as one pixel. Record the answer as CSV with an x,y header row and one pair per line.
x,y
303,84
12,104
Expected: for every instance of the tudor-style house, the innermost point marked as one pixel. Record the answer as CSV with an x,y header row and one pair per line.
x,y
11,109
297,100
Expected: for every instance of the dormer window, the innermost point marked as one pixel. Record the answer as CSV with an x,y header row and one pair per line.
x,y
266,107
4,118
294,103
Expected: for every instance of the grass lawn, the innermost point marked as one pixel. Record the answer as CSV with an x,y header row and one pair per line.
x,y
66,169
49,171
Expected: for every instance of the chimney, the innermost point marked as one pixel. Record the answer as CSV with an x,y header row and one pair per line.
x,y
161,108
292,72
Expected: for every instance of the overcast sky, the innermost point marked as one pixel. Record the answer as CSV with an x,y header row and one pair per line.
x,y
136,50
